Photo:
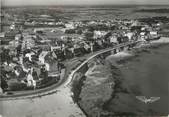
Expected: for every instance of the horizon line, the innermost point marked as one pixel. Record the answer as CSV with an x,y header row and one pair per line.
x,y
85,5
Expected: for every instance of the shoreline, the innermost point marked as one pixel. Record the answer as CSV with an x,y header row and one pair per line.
x,y
140,76
144,47
126,55
57,95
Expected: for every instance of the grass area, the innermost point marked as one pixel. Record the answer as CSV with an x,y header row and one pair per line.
x,y
103,91
77,86
93,89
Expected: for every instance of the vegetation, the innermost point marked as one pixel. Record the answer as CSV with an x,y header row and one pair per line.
x,y
165,10
77,86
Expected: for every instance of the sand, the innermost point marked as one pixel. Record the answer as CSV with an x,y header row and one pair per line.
x,y
58,104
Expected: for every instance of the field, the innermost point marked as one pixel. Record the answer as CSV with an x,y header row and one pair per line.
x,y
91,12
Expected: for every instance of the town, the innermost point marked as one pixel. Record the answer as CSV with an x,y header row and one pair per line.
x,y
33,49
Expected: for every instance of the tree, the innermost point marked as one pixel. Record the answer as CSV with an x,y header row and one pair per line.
x,y
79,31
70,31
89,36
107,35
4,84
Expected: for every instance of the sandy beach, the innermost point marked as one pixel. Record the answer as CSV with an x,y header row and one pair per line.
x,y
57,103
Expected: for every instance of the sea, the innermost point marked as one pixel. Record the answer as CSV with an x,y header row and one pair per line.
x,y
148,75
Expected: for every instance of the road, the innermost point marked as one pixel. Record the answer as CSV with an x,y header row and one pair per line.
x,y
56,102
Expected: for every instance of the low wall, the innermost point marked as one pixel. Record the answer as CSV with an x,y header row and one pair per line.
x,y
78,77
71,78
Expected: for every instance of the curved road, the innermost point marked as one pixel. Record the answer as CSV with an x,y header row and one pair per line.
x,y
57,102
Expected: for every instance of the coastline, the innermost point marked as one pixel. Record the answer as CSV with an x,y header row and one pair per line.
x,y
60,96
100,78
152,44
124,56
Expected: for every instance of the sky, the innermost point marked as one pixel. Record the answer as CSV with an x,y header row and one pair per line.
x,y
80,2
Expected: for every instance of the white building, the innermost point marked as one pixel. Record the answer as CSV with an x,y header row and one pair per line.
x,y
129,35
142,36
70,25
153,35
28,43
113,39
99,34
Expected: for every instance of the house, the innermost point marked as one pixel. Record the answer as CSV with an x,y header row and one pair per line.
x,y
129,35
142,36
99,34
45,16
11,34
42,56
78,51
29,55
2,35
18,37
69,25
12,27
86,47
153,35
55,48
113,38
14,43
59,54
135,23
28,43
51,62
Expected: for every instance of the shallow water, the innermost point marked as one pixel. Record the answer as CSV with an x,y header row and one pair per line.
x,y
148,75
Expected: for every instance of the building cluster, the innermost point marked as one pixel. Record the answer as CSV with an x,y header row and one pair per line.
x,y
32,51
